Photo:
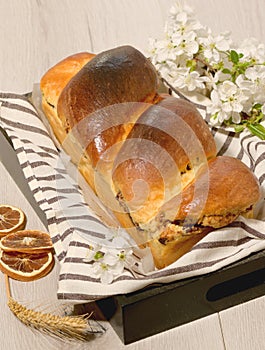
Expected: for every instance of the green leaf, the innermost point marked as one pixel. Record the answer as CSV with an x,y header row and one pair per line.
x,y
257,130
259,117
191,64
214,116
257,106
239,127
226,71
234,57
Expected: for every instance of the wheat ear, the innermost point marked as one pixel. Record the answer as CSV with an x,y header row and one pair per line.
x,y
70,327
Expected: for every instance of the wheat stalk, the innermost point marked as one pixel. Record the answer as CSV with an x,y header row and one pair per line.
x,y
69,327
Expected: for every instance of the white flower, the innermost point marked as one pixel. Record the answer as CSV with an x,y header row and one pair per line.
x,y
244,83
93,254
180,7
107,263
212,79
253,85
214,46
186,45
227,102
183,26
191,58
226,90
169,70
187,80
181,18
251,48
103,271
179,15
162,50
256,75
247,87
112,265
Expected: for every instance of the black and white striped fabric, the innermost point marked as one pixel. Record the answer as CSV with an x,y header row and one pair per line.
x,y
74,226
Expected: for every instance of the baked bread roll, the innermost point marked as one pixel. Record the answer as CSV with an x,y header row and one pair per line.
x,y
117,76
52,84
145,155
162,154
224,189
165,149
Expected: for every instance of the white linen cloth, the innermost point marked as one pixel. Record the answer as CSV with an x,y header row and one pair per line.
x,y
74,227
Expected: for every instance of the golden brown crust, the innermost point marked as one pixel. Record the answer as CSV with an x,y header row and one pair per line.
x,y
166,254
56,78
189,113
161,155
53,82
227,179
224,189
102,102
118,75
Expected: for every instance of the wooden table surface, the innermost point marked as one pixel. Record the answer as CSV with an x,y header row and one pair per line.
x,y
35,34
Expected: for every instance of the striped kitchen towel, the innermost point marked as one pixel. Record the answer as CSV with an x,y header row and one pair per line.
x,y
85,246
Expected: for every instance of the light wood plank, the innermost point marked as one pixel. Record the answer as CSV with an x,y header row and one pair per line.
x,y
202,334
38,34
241,17
243,325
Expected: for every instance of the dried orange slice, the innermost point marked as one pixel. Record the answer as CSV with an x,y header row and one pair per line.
x,y
26,241
26,267
11,219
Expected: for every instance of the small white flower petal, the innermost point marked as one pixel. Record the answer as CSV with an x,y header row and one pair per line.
x,y
227,107
182,17
96,269
252,74
227,89
89,256
118,268
236,118
111,258
237,107
222,116
192,47
215,98
106,277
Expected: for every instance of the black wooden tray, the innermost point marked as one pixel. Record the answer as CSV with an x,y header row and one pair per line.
x,y
158,308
